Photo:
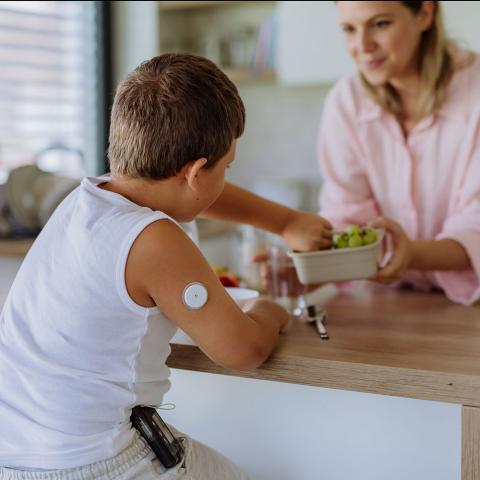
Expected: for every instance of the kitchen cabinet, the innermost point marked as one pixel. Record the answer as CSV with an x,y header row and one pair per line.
x,y
237,35
259,39
305,39
310,46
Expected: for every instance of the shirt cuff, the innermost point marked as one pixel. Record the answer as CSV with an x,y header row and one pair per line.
x,y
462,286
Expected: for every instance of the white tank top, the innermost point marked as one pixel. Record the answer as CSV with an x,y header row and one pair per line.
x,y
76,353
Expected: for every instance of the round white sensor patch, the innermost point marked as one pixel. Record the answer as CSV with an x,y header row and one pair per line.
x,y
195,296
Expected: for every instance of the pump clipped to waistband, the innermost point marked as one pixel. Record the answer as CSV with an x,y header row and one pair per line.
x,y
168,449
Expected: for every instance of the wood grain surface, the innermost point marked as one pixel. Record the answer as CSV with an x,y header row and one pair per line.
x,y
385,341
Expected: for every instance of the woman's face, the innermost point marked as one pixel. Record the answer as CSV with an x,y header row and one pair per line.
x,y
383,38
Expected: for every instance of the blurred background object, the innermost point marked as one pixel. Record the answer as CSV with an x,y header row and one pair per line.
x,y
61,61
53,78
239,36
29,198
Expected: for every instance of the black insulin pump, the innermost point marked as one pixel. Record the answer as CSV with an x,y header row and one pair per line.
x,y
168,449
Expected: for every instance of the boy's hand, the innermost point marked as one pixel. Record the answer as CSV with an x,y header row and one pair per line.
x,y
268,307
402,252
295,287
307,232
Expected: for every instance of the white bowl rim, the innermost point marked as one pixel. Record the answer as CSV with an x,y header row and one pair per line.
x,y
244,293
330,251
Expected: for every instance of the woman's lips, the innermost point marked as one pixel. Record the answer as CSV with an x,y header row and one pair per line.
x,y
374,64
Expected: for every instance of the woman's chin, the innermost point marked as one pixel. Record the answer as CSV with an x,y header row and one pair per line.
x,y
376,79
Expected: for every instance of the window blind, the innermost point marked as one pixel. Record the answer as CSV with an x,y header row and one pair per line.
x,y
49,86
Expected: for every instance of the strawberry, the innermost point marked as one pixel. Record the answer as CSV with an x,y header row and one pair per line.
x,y
228,281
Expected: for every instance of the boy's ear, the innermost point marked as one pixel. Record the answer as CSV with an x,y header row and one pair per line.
x,y
191,172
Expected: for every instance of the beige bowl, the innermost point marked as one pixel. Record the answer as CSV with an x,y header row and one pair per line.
x,y
336,265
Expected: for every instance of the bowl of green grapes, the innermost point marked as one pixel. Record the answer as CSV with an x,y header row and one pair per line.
x,y
354,255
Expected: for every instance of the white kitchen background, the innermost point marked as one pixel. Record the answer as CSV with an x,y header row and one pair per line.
x,y
276,155
280,431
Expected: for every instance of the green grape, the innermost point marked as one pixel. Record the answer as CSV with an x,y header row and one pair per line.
x,y
355,240
336,238
353,230
354,236
340,240
343,242
370,236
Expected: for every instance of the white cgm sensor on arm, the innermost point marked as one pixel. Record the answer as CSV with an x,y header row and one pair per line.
x,y
195,295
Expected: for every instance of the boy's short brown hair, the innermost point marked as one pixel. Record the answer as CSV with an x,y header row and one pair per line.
x,y
169,111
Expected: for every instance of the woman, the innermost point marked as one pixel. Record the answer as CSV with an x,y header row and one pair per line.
x,y
399,144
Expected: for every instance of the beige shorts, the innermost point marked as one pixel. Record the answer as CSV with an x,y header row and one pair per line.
x,y
138,462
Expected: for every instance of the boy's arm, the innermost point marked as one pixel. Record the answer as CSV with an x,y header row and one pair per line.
x,y
162,262
303,231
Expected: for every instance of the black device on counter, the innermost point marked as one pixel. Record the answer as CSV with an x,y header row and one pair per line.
x,y
168,449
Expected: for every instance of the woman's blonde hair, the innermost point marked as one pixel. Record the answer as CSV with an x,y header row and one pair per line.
x,y
435,64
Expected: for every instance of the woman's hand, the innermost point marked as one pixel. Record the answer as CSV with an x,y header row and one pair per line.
x,y
307,232
402,252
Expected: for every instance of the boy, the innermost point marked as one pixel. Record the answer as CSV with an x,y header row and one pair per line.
x,y
86,327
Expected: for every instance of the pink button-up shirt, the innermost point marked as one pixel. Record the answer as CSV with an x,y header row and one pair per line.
x,y
429,183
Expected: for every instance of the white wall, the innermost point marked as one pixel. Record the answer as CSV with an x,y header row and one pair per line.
x,y
278,431
310,44
135,35
461,22
279,141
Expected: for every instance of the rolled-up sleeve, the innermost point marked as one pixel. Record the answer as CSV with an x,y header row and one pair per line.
x,y
345,195
463,225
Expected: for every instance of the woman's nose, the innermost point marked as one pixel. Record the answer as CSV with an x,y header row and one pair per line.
x,y
365,43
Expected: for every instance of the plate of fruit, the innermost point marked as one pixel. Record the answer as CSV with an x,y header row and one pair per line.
x,y
231,282
227,278
354,255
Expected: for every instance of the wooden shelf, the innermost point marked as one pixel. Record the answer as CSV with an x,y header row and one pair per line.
x,y
172,6
16,248
245,74
227,32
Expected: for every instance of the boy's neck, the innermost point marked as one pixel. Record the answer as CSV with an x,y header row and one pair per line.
x,y
159,195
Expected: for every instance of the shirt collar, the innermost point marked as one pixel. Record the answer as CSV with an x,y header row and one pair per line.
x,y
455,107
459,95
369,110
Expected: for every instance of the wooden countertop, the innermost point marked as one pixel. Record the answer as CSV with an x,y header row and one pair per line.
x,y
206,228
17,248
384,341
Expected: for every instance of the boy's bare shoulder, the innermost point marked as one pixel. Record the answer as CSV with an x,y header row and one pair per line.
x,y
163,245
160,238
160,252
